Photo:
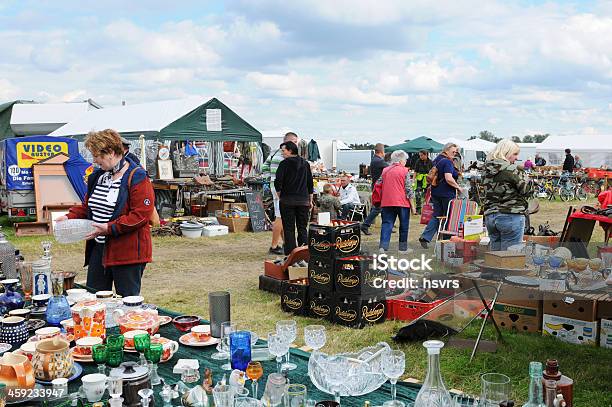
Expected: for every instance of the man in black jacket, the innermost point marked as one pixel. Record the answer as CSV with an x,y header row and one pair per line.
x,y
377,165
294,187
568,164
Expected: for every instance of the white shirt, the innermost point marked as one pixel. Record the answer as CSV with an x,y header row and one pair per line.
x,y
349,195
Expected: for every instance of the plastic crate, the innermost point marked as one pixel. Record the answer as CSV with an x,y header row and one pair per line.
x,y
598,173
405,310
215,230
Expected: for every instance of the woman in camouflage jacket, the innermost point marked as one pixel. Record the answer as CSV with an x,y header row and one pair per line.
x,y
507,190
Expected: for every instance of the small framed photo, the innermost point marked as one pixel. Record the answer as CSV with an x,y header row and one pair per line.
x,y
164,169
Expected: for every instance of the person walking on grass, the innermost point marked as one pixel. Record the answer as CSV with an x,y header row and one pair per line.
x,y
269,170
294,188
396,195
507,191
445,190
377,165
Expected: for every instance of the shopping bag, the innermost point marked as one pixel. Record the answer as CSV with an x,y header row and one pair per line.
x,y
427,210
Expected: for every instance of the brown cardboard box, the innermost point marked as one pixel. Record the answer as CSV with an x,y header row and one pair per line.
x,y
520,296
297,273
568,305
604,307
241,206
519,319
505,259
213,206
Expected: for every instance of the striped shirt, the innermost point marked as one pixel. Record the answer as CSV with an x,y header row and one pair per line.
x,y
103,200
271,165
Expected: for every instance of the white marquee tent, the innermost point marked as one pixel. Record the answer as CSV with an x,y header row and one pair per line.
x,y
595,150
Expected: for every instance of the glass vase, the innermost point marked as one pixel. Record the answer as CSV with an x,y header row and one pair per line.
x,y
433,393
58,310
240,349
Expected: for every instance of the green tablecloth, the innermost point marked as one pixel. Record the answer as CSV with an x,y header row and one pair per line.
x,y
405,392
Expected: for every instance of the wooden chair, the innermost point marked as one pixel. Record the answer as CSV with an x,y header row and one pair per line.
x,y
452,223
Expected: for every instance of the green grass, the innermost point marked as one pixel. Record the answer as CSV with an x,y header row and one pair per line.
x,y
185,270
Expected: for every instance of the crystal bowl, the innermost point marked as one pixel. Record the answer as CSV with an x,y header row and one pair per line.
x,y
364,375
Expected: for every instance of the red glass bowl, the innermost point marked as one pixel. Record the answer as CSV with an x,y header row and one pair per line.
x,y
186,322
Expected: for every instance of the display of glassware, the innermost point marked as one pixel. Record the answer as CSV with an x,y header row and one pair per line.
x,y
394,364
295,395
278,347
275,389
315,336
496,389
433,393
254,371
364,374
145,397
72,230
287,329
223,395
190,375
336,370
58,308
247,402
153,354
240,349
167,394
115,386
536,391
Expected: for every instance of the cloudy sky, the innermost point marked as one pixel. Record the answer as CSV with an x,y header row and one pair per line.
x,y
360,70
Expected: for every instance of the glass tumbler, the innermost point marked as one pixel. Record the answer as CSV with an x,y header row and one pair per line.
x,y
223,395
495,389
240,349
295,395
27,279
115,342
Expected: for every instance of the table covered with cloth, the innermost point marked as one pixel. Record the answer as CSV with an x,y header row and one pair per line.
x,y
406,392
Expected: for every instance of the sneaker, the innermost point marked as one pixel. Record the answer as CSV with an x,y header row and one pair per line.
x,y
365,230
423,242
381,250
276,250
408,250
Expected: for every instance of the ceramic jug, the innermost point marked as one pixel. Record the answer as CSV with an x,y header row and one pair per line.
x,y
89,319
14,331
53,359
16,371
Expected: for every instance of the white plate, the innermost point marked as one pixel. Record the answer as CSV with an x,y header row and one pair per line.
x,y
189,340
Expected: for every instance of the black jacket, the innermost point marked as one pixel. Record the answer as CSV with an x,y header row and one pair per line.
x,y
294,181
568,164
377,165
422,167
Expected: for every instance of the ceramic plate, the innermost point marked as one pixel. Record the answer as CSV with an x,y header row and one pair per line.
x,y
77,370
4,347
164,319
34,324
522,280
39,311
190,340
82,358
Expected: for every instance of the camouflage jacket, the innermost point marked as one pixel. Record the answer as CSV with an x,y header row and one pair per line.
x,y
507,189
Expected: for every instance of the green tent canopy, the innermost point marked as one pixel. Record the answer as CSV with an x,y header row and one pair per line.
x,y
416,145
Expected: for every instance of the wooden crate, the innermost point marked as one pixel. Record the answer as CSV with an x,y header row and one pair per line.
x,y
235,224
504,259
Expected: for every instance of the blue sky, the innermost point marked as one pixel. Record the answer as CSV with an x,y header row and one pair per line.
x,y
359,70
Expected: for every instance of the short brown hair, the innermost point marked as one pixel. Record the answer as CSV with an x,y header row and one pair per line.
x,y
327,188
379,148
104,142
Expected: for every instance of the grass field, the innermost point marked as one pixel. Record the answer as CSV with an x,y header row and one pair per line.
x,y
184,271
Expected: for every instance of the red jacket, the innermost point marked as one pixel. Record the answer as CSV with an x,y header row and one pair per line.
x,y
129,235
394,186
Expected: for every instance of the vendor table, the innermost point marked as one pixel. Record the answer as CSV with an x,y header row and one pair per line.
x,y
589,221
405,391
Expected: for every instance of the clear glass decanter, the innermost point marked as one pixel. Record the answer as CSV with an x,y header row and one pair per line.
x,y
433,393
536,391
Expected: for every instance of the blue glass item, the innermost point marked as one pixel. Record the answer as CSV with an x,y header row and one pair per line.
x,y
240,349
11,299
58,310
555,261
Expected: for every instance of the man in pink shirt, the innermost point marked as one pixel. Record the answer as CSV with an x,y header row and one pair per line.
x,y
396,200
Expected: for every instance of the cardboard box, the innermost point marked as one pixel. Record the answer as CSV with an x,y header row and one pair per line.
x,y
297,273
519,319
320,304
604,307
213,206
520,296
341,239
355,275
294,296
359,311
570,306
570,330
321,273
605,336
504,259
445,249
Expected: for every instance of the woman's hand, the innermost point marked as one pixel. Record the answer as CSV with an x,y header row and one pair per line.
x,y
99,230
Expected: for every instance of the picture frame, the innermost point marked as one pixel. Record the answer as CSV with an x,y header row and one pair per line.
x,y
164,169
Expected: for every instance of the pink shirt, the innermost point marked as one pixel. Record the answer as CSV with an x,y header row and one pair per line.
x,y
394,186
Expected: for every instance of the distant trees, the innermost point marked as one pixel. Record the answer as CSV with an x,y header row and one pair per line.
x,y
362,146
488,136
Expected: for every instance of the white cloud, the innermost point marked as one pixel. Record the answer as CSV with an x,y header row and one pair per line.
x,y
8,90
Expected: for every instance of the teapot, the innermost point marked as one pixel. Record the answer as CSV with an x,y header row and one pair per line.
x,y
16,371
134,315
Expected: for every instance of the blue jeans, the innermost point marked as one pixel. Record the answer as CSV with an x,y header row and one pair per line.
x,y
389,213
440,208
345,210
374,212
505,230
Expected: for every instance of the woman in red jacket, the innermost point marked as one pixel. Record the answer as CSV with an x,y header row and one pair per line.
x,y
120,200
396,196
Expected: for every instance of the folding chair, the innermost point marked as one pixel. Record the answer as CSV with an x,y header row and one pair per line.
x,y
452,223
358,209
